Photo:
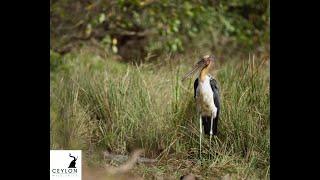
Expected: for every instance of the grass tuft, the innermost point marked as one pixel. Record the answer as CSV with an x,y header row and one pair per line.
x,y
100,103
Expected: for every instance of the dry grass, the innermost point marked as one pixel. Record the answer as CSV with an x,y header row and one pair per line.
x,y
100,104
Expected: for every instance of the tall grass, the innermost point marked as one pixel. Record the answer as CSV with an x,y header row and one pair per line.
x,y
99,103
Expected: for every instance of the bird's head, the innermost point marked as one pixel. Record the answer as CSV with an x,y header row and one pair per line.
x,y
204,62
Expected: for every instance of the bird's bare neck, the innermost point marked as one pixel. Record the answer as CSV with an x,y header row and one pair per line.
x,y
203,73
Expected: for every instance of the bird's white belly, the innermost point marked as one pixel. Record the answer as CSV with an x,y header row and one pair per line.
x,y
204,99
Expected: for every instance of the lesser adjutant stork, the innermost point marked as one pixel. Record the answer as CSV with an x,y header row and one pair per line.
x,y
206,94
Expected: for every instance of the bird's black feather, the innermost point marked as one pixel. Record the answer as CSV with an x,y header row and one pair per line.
x,y
216,100
195,86
216,93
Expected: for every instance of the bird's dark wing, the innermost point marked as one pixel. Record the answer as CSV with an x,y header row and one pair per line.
x,y
195,86
216,94
216,99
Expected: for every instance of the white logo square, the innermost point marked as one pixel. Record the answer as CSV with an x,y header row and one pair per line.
x,y
65,165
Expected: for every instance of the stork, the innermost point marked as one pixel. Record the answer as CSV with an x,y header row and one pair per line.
x,y
206,94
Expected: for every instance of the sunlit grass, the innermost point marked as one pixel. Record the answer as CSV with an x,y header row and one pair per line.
x,y
99,103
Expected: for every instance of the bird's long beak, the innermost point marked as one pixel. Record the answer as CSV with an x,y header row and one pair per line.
x,y
196,67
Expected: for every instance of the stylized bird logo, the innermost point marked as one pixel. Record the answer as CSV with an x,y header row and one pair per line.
x,y
73,162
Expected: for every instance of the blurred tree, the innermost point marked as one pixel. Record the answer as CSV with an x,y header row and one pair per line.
x,y
133,28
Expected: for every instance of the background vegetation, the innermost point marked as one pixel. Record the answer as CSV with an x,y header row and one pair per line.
x,y
116,68
138,29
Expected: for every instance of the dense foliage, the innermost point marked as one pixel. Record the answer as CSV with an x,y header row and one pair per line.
x,y
136,28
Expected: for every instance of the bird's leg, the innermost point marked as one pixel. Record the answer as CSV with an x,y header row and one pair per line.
x,y
211,124
200,121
